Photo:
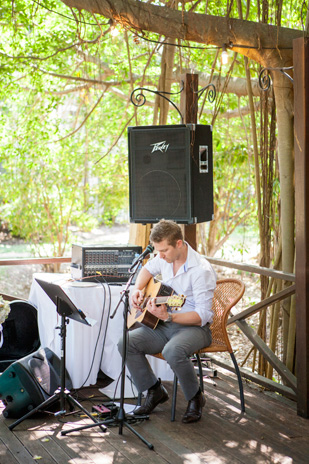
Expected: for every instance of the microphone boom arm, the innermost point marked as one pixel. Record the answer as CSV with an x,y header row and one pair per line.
x,y
141,257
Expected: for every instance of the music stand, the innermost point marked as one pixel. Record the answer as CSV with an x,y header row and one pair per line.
x,y
66,309
121,418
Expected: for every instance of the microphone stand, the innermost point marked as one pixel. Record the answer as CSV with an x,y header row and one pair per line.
x,y
120,418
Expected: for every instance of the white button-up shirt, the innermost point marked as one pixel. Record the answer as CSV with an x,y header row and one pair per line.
x,y
195,279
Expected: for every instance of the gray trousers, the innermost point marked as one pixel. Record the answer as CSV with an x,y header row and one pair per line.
x,y
176,342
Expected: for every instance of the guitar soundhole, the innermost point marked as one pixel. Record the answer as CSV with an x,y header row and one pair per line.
x,y
138,314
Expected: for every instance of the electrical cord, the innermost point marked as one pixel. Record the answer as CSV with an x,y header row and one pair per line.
x,y
199,47
104,285
123,366
100,329
107,319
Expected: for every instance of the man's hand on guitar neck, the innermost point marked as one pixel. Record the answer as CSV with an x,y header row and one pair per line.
x,y
160,311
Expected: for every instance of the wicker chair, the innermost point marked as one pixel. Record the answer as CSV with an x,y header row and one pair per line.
x,y
227,293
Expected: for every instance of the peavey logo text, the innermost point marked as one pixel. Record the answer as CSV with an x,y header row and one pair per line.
x,y
160,146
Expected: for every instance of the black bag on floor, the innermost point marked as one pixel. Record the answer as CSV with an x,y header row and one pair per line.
x,y
20,333
28,382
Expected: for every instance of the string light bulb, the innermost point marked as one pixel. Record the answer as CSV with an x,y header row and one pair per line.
x,y
224,55
113,29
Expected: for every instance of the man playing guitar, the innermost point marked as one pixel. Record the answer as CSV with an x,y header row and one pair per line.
x,y
178,334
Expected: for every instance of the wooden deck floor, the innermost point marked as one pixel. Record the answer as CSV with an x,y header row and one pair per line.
x,y
269,432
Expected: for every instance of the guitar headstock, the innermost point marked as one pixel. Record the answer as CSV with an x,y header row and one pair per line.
x,y
176,301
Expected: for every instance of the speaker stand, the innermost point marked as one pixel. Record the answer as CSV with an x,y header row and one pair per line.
x,y
61,393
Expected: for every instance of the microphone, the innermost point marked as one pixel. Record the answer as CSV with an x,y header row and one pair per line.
x,y
148,249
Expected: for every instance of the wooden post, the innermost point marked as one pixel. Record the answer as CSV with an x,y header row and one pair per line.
x,y
188,108
139,234
301,137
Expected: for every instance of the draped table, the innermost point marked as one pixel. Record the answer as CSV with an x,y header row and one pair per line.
x,y
88,349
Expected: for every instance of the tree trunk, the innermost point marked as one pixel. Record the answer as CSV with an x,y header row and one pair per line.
x,y
283,91
165,80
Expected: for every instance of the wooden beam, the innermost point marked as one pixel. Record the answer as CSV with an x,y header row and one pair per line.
x,y
301,143
256,378
188,109
139,234
188,100
26,261
268,354
11,298
262,304
253,269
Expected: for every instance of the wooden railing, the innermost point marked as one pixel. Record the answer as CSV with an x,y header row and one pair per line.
x,y
290,387
28,261
288,377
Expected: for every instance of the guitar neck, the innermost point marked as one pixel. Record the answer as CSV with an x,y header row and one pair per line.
x,y
162,300
173,301
152,291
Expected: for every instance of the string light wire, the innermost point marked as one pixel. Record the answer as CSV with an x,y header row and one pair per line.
x,y
199,47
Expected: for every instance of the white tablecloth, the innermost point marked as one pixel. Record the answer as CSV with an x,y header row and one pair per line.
x,y
87,348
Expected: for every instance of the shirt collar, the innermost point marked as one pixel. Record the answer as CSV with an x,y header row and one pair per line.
x,y
191,260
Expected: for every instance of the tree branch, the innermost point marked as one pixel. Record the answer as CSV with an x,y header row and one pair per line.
x,y
261,42
116,141
44,58
82,79
81,125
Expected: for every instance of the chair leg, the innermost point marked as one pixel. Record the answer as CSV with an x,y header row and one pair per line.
x,y
173,413
139,399
200,371
241,389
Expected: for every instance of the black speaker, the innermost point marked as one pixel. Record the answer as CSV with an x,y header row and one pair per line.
x,y
28,382
171,173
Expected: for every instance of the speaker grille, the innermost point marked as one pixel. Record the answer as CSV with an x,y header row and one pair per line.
x,y
153,191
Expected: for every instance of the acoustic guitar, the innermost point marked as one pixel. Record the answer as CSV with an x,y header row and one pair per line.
x,y
164,295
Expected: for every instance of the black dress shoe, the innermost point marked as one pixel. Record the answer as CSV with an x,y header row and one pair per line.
x,y
153,398
194,409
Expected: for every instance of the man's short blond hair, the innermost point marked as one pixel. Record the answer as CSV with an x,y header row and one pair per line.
x,y
166,230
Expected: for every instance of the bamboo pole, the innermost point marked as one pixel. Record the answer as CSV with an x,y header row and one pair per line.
x,y
274,328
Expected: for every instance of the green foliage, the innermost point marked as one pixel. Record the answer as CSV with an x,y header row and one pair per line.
x,y
290,16
64,109
49,178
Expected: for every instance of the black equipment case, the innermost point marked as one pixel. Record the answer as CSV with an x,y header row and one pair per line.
x,y
20,333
